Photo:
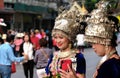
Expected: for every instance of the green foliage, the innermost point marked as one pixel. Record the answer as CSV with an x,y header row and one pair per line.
x,y
90,4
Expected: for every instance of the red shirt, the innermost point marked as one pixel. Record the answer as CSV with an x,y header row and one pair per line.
x,y
35,42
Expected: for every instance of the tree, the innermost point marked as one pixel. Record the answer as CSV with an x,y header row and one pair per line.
x,y
90,4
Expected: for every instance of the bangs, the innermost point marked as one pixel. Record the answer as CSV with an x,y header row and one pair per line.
x,y
59,32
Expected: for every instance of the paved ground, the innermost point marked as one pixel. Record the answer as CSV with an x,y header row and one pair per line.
x,y
91,62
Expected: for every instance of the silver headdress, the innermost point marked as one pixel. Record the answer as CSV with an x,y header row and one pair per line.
x,y
69,21
100,28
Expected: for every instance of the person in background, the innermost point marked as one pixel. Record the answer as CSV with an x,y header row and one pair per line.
x,y
43,33
54,45
101,34
67,26
27,48
34,40
2,26
7,57
38,34
80,42
41,57
18,42
49,38
1,41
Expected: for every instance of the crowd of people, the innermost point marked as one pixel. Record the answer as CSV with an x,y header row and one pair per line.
x,y
30,49
97,28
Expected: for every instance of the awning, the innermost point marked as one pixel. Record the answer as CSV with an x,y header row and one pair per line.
x,y
29,8
5,11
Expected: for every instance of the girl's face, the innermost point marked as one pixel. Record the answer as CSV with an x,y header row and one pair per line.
x,y
61,42
26,38
32,34
99,49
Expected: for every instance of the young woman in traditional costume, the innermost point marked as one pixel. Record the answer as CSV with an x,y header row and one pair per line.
x,y
67,26
101,33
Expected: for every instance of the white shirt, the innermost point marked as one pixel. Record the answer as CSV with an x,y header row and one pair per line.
x,y
28,49
80,40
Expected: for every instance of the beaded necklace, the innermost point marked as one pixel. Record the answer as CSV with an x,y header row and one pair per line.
x,y
56,62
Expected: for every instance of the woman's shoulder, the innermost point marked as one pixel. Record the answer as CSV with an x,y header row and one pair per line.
x,y
48,49
110,67
112,61
38,50
79,55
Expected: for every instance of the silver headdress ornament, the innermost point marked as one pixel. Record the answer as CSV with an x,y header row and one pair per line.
x,y
69,21
100,28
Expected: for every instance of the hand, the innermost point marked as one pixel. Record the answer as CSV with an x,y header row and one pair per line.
x,y
46,76
70,74
25,56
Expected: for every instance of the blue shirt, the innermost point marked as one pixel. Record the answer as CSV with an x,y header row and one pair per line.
x,y
7,56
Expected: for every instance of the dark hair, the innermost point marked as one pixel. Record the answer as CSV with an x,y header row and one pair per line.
x,y
10,38
32,32
28,37
113,40
1,41
82,28
43,42
115,20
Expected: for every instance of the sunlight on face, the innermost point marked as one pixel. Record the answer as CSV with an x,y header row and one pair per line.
x,y
61,41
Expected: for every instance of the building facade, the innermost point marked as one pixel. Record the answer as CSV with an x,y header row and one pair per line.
x,y
23,15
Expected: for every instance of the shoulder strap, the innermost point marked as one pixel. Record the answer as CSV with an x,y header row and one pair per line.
x,y
44,53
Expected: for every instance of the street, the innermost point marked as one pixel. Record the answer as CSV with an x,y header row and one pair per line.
x,y
91,61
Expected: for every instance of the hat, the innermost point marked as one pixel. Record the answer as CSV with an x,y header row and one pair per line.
x,y
20,35
101,26
69,21
2,22
36,31
4,36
